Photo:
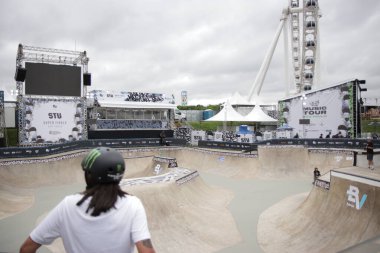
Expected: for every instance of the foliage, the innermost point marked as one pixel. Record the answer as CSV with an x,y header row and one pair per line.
x,y
215,108
12,136
367,127
350,91
206,126
211,125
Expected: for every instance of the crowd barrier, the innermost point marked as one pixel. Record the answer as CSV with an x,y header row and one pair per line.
x,y
315,143
324,143
18,152
227,145
24,152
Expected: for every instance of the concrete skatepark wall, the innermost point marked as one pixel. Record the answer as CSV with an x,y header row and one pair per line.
x,y
197,205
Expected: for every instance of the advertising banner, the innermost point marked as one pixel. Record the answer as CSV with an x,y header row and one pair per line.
x,y
197,136
245,138
320,113
48,120
183,98
218,136
126,96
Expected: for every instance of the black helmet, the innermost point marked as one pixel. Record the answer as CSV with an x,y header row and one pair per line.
x,y
103,165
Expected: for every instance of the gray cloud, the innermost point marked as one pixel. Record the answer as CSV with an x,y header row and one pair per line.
x,y
209,48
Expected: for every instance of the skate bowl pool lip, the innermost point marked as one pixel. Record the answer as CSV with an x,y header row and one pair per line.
x,y
217,159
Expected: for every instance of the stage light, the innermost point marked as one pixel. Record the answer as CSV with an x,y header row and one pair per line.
x,y
20,74
86,79
360,81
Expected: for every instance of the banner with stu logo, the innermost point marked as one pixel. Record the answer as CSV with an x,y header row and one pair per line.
x,y
52,120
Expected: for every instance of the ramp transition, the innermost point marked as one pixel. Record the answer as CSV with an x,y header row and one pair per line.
x,y
330,218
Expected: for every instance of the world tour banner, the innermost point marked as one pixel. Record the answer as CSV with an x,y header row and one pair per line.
x,y
51,120
325,111
126,96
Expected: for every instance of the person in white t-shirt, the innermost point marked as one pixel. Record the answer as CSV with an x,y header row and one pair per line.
x,y
103,218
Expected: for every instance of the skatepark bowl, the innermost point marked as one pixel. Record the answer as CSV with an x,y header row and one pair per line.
x,y
203,200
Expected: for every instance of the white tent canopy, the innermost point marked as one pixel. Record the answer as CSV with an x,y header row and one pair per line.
x,y
227,114
258,115
238,99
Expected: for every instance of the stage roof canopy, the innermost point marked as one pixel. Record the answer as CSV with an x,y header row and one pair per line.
x,y
136,105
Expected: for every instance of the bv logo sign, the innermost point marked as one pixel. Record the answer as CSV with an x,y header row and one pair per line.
x,y
353,198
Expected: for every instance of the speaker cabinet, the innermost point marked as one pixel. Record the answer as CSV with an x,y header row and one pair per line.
x,y
20,74
87,79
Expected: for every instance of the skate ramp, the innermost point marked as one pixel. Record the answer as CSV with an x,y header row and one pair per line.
x,y
299,162
184,214
271,162
187,203
327,220
227,164
19,178
189,217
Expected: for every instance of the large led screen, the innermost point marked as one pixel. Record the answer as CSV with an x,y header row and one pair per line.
x,y
52,80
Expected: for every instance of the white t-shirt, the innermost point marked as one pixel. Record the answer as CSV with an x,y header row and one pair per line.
x,y
114,231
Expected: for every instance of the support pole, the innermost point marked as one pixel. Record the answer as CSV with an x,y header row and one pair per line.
x,y
257,85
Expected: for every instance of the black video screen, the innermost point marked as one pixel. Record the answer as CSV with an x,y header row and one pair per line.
x,y
52,80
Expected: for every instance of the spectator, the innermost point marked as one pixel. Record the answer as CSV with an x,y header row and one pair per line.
x,y
317,174
103,218
162,138
369,149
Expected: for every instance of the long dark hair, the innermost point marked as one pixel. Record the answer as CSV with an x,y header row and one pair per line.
x,y
104,197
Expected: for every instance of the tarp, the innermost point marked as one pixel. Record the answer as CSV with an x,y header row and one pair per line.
x,y
258,115
228,113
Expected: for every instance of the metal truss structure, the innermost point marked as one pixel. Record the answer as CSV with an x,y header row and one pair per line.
x,y
47,55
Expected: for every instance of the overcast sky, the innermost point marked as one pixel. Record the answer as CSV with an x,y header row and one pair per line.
x,y
210,48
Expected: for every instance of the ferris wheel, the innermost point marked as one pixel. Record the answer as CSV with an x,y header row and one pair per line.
x,y
305,50
299,24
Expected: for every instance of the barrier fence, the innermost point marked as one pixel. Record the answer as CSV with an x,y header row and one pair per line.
x,y
315,143
18,152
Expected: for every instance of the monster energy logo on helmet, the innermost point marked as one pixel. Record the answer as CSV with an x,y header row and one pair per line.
x,y
103,165
90,159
